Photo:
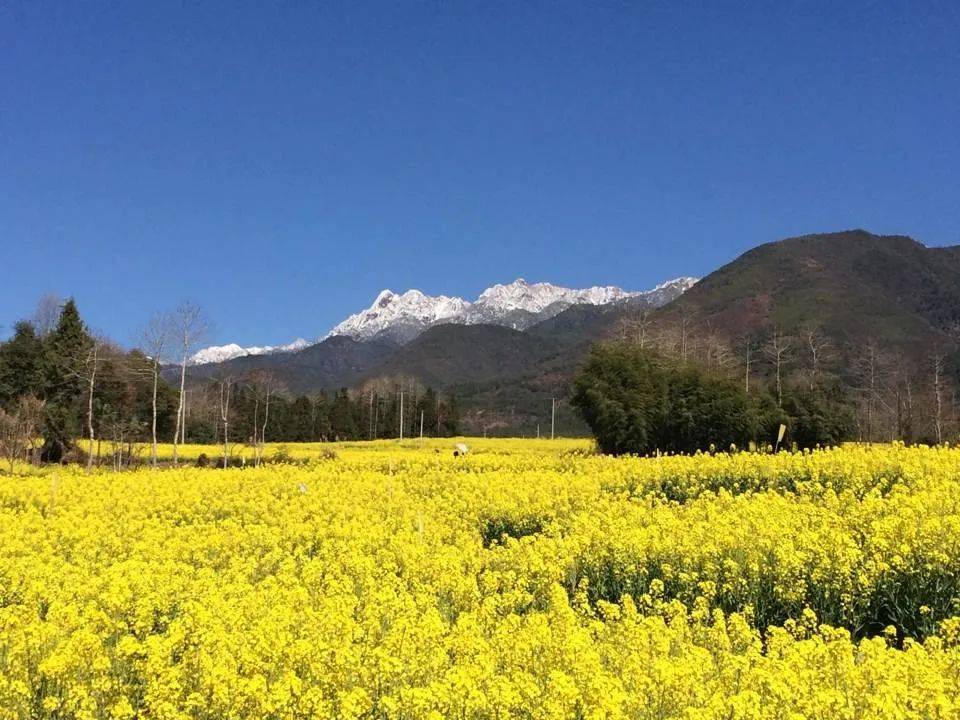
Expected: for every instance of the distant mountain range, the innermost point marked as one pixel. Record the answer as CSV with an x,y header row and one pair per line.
x,y
518,305
507,353
221,353
399,318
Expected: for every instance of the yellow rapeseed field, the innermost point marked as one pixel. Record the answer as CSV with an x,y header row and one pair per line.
x,y
528,579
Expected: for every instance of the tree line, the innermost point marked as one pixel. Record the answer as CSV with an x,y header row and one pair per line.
x,y
681,385
60,382
255,408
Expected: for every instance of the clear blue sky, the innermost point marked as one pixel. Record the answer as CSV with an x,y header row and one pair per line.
x,y
280,163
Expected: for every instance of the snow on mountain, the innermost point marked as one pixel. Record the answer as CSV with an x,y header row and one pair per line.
x,y
519,304
669,290
222,353
536,297
217,353
401,317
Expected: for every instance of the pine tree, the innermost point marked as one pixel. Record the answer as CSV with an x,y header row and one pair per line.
x,y
428,405
300,427
450,417
321,417
21,365
343,424
65,351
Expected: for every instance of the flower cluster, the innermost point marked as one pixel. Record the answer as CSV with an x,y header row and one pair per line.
x,y
524,580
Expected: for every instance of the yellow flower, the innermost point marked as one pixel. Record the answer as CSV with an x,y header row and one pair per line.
x,y
527,579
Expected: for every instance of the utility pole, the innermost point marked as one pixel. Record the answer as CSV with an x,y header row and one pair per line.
x,y
401,414
421,424
538,431
553,416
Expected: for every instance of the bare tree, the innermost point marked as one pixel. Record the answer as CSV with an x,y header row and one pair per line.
x,y
871,366
155,338
667,341
644,324
676,339
819,348
88,372
225,385
122,430
686,326
717,351
85,369
724,356
938,363
778,351
748,349
30,410
47,313
265,388
636,328
189,325
372,416
903,378
19,430
11,438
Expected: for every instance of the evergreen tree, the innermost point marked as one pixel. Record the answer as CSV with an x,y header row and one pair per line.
x,y
113,403
21,365
65,351
411,411
245,413
321,417
299,426
450,417
389,420
343,424
428,405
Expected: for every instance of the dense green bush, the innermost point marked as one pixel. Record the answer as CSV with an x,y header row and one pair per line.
x,y
636,401
818,416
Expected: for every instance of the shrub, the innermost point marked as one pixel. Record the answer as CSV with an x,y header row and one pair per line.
x,y
636,402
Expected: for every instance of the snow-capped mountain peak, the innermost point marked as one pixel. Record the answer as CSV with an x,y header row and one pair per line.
x,y
222,353
400,317
519,304
384,298
536,297
217,353
520,295
667,291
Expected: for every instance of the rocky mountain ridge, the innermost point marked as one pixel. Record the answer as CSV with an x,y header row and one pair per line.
x,y
400,317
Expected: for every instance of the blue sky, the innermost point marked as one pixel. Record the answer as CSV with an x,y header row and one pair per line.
x,y
280,163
